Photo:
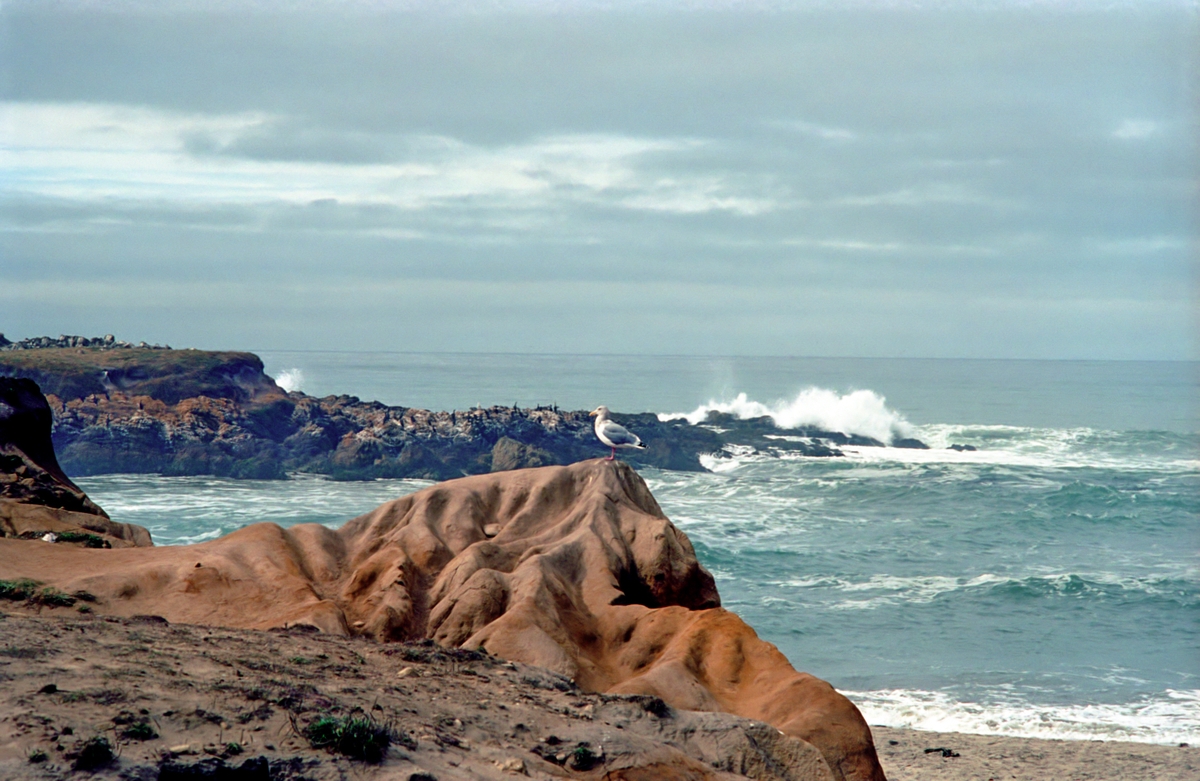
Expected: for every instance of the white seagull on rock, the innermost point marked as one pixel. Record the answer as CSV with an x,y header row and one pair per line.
x,y
614,434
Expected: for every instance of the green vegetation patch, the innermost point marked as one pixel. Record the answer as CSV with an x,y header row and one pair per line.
x,y
88,540
358,737
18,589
32,592
52,597
139,731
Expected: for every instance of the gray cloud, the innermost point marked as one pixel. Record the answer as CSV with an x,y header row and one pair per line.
x,y
1015,182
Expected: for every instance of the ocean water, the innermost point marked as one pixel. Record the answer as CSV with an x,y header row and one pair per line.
x,y
1046,584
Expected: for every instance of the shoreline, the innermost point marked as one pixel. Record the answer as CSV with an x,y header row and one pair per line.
x,y
902,752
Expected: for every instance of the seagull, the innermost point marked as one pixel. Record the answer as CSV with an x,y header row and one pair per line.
x,y
614,434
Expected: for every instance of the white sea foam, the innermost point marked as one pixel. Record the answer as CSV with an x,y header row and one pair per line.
x,y
1035,447
861,412
1171,717
891,590
290,380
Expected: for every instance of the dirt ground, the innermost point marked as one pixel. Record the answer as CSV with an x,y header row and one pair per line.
x,y
183,701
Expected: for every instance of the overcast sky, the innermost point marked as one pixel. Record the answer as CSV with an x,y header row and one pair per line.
x,y
700,178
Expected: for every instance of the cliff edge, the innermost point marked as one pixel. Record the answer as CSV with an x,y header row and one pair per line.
x,y
574,568
36,496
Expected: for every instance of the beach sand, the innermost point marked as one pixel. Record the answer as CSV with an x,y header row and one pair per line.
x,y
998,758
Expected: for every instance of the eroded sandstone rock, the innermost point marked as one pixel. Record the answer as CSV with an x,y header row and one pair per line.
x,y
574,569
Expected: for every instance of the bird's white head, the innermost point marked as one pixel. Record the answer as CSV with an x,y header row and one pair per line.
x,y
601,411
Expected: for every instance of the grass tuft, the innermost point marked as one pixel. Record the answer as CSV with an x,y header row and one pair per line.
x,y
88,540
139,731
356,737
18,589
37,756
52,597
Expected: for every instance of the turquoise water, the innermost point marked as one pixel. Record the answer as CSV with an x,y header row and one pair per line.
x,y
1047,584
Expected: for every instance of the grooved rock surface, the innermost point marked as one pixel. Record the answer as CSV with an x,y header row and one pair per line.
x,y
575,569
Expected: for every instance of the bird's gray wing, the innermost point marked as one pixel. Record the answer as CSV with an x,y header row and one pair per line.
x,y
618,435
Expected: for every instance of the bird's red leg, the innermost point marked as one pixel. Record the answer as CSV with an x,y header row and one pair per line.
x,y
614,455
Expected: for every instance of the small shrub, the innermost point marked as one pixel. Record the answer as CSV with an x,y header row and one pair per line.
x,y
94,753
139,731
88,540
233,749
52,597
356,737
582,758
18,589
37,756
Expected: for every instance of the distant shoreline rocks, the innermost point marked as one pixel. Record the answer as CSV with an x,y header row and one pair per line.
x,y
157,410
106,342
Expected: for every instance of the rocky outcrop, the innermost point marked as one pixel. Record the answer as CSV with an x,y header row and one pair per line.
x,y
36,496
29,471
190,412
106,342
574,569
159,373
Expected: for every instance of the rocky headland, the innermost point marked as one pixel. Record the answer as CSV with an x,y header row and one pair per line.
x,y
151,409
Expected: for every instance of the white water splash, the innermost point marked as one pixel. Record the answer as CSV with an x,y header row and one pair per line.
x,y
1169,718
861,412
290,380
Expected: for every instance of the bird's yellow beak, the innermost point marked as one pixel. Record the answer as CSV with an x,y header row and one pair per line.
x,y
592,414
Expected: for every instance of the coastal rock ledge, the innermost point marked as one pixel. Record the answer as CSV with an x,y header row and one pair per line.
x,y
573,568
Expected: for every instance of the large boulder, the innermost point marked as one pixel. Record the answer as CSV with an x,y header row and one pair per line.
x,y
36,496
574,568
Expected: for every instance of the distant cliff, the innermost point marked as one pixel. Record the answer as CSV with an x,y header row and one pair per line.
x,y
120,408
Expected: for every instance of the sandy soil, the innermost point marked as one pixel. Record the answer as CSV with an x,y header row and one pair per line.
x,y
993,758
216,695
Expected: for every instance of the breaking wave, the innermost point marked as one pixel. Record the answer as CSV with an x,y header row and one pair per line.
x,y
290,380
861,412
